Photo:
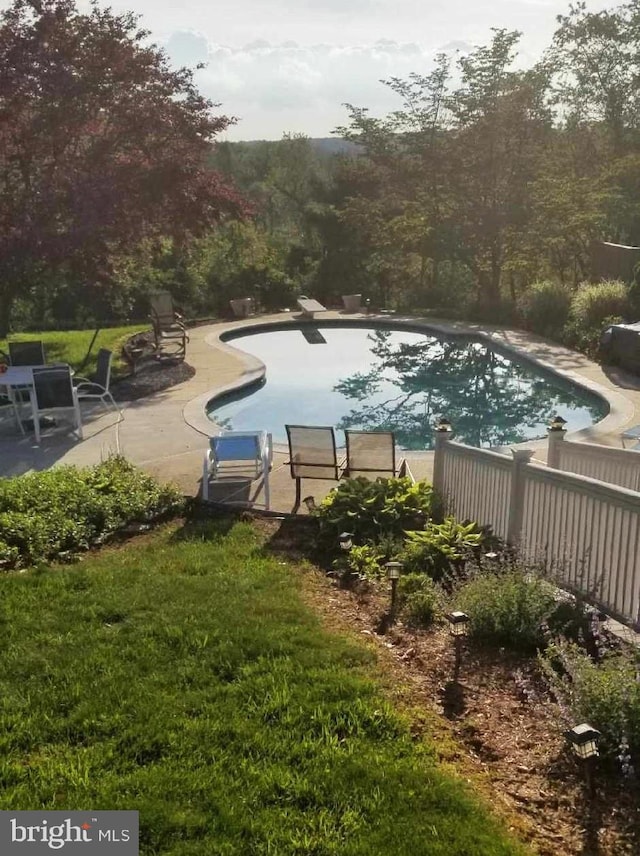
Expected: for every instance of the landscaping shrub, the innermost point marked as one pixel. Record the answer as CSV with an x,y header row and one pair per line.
x,y
510,609
440,549
418,599
54,514
544,308
373,509
594,307
604,694
365,561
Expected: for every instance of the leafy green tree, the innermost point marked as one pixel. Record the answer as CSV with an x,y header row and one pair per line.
x,y
501,124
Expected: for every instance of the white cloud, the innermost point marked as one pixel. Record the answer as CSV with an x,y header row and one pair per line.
x,y
278,88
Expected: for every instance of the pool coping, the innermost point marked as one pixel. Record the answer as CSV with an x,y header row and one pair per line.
x,y
524,345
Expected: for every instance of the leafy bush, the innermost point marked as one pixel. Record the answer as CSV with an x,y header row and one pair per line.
x,y
418,599
510,609
440,548
364,561
544,308
55,513
604,694
593,308
373,509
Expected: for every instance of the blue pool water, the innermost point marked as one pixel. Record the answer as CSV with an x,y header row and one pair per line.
x,y
401,381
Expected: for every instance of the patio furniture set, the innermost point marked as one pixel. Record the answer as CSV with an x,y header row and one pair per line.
x,y
48,389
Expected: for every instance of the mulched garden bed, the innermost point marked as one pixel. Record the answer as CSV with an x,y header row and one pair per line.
x,y
498,726
149,374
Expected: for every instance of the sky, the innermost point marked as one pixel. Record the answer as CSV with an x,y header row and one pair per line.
x,y
289,66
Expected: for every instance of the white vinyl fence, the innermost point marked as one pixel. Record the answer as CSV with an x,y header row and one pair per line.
x,y
586,532
614,466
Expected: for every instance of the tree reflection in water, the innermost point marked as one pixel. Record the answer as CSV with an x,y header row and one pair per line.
x,y
490,399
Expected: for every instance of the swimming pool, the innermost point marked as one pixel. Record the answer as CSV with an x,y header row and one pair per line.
x,y
398,380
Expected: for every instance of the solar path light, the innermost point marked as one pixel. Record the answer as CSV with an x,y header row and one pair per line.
x,y
584,739
458,628
394,570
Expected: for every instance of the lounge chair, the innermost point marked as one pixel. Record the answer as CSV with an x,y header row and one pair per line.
x,y
98,388
312,455
29,353
372,454
308,306
238,456
53,391
169,331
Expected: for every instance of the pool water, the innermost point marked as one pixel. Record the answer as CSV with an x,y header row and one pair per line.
x,y
402,381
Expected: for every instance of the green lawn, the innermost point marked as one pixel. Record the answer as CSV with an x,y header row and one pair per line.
x,y
70,346
184,677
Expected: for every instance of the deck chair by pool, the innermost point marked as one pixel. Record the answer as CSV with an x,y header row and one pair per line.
x,y
98,388
372,454
169,331
312,455
27,353
53,392
237,458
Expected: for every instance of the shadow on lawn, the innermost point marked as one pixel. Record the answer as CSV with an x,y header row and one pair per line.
x,y
203,525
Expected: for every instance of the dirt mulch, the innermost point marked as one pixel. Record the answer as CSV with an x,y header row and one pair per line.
x,y
151,377
497,727
150,373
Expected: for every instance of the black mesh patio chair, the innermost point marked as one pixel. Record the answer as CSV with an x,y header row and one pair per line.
x,y
29,353
54,392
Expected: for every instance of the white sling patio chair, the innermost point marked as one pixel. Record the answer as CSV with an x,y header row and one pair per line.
x,y
236,457
372,454
98,388
312,455
53,391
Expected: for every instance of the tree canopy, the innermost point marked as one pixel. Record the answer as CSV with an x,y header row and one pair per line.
x,y
102,144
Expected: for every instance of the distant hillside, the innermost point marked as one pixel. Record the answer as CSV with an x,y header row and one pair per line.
x,y
334,146
322,145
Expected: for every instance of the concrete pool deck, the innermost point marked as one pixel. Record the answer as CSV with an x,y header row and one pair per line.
x,y
166,433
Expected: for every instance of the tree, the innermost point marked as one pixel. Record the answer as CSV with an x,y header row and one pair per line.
x,y
102,145
501,124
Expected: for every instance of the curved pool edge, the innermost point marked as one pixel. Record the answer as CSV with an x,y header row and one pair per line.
x,y
575,367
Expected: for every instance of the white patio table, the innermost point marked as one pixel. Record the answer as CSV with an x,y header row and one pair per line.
x,y
20,378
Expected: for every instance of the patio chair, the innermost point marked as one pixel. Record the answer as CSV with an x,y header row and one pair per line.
x,y
98,388
169,331
236,457
29,353
312,455
372,454
53,391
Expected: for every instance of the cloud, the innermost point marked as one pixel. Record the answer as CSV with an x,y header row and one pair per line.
x,y
269,86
